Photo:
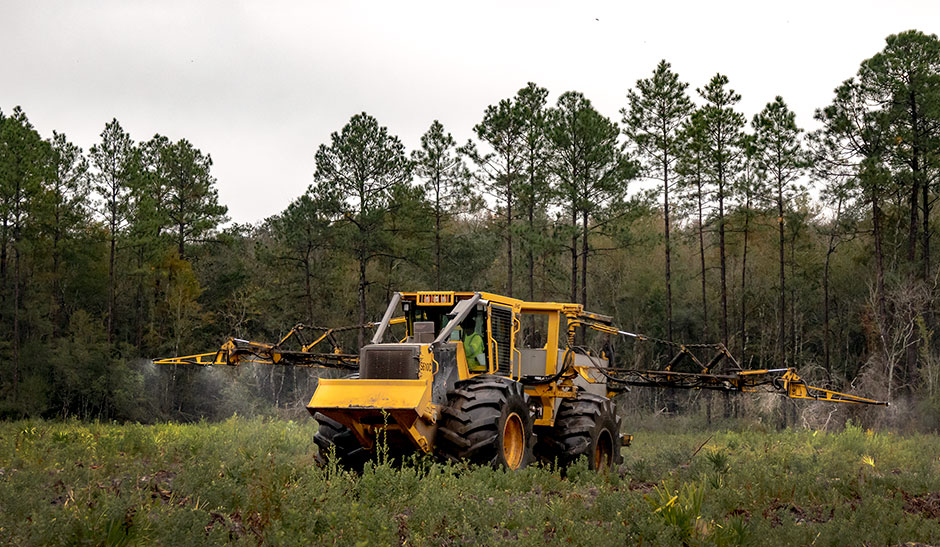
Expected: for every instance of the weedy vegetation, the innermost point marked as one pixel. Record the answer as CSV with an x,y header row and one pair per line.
x,y
253,482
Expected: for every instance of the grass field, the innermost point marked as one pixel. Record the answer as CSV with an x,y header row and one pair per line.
x,y
255,482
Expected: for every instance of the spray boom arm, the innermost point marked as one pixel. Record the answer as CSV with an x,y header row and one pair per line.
x,y
786,381
236,351
781,380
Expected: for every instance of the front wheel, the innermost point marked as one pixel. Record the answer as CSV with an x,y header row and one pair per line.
x,y
335,439
487,422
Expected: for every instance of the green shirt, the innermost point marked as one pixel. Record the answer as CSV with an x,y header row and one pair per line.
x,y
473,349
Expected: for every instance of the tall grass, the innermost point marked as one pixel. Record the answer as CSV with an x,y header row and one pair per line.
x,y
255,482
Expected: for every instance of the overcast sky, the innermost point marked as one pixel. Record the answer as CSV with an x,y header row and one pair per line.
x,y
259,85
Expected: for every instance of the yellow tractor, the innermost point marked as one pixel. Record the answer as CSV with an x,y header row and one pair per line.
x,y
466,383
512,398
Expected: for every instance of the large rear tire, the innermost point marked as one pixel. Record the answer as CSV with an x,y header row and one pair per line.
x,y
588,426
487,422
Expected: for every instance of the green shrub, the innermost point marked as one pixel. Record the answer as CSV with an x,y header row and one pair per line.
x,y
248,481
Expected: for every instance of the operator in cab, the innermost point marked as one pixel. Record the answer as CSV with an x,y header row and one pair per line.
x,y
473,345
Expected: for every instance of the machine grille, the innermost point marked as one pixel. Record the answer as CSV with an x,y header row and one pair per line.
x,y
501,326
389,361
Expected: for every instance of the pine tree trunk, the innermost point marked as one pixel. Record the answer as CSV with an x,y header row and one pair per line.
x,y
16,315
56,282
747,221
139,300
669,334
181,241
308,289
437,234
111,284
113,209
531,257
783,282
913,228
925,239
794,348
4,243
879,261
508,241
530,210
724,275
827,360
671,402
916,179
928,313
912,353
362,297
701,250
827,342
574,254
584,258
721,253
17,235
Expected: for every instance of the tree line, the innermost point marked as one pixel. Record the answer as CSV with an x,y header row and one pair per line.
x,y
682,216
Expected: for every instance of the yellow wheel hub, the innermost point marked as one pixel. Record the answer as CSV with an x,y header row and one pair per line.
x,y
603,452
513,441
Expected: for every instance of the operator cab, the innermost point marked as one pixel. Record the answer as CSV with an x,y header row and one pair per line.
x,y
480,327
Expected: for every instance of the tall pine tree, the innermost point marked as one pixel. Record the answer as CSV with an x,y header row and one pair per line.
x,y
592,170
193,207
25,161
113,174
446,183
501,167
723,130
658,108
534,188
780,156
361,170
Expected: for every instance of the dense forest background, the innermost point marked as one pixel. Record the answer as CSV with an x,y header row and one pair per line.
x,y
681,216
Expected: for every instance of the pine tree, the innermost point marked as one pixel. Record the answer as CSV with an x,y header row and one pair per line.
x,y
305,233
501,168
592,169
112,180
534,190
850,147
148,230
360,171
694,185
749,186
902,82
25,161
723,129
66,211
446,183
780,155
193,207
653,122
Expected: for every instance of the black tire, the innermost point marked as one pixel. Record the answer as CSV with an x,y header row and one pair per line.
x,y
588,426
333,436
487,422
